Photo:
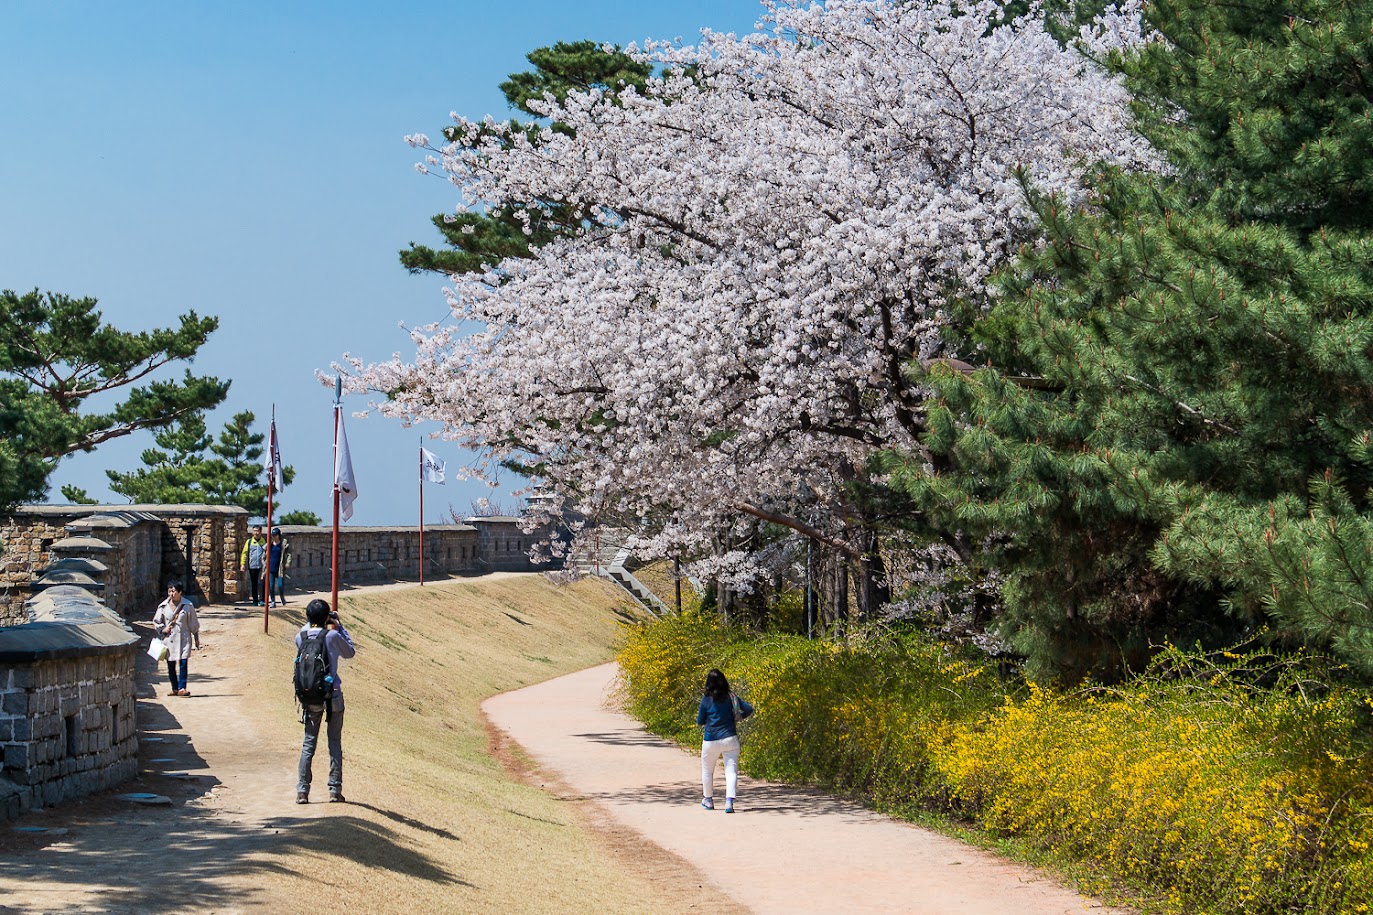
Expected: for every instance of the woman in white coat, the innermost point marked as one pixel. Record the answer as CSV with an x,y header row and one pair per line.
x,y
179,627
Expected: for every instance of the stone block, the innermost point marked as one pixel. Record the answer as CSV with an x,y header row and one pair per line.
x,y
46,726
22,677
23,729
20,756
14,702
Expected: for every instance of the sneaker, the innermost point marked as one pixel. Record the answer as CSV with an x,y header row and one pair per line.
x,y
302,797
708,803
729,805
336,796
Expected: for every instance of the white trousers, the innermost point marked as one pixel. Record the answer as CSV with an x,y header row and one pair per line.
x,y
711,750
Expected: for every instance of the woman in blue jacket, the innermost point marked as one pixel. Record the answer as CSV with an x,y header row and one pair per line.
x,y
721,738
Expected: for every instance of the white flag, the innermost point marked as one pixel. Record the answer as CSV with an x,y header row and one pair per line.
x,y
274,478
433,467
343,473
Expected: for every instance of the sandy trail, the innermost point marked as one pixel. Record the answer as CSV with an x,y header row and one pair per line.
x,y
232,829
787,850
227,789
233,840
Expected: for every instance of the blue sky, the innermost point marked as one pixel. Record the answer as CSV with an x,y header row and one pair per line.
x,y
246,160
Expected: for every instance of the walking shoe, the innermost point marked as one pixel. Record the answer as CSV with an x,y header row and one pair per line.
x,y
302,797
729,805
708,803
336,796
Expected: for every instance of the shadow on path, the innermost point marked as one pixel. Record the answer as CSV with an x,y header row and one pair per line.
x,y
193,855
800,802
119,856
627,738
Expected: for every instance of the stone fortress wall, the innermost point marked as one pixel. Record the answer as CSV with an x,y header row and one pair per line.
x,y
375,554
71,576
68,721
142,547
146,545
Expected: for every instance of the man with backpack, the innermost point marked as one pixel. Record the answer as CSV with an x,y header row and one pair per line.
x,y
319,645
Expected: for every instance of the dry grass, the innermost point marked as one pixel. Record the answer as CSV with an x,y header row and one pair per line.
x,y
436,824
657,577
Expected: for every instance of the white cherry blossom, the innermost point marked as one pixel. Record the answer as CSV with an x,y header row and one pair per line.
x,y
770,232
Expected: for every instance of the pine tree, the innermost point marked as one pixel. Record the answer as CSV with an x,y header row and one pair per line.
x,y
231,474
1175,437
56,353
478,241
173,476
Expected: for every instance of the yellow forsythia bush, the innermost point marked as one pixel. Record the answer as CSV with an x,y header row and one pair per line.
x,y
1237,786
1223,796
851,717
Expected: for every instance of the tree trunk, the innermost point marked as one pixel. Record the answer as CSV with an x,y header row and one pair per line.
x,y
841,595
677,582
874,590
811,601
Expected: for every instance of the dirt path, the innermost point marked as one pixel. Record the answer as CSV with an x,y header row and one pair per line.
x,y
787,850
228,840
232,840
226,789
413,838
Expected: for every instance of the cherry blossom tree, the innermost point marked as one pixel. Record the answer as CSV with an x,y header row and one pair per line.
x,y
770,232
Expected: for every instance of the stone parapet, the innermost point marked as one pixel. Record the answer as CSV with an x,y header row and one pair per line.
x,y
67,710
25,539
373,554
146,545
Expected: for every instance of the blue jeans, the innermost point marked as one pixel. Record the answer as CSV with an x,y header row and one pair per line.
x,y
277,588
176,672
314,716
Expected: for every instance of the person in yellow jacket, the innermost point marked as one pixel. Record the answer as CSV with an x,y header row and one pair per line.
x,y
254,558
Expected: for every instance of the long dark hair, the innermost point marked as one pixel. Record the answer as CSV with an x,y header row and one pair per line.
x,y
717,687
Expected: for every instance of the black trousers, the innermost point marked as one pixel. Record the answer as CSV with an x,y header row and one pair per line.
x,y
255,578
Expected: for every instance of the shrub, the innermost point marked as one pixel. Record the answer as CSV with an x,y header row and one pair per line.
x,y
1231,785
851,717
1225,795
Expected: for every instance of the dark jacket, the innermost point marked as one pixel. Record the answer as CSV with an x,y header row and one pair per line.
x,y
718,717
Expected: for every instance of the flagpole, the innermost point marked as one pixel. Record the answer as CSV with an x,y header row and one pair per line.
x,y
271,481
421,485
338,405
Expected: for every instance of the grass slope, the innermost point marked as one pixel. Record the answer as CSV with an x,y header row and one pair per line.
x,y
435,823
